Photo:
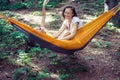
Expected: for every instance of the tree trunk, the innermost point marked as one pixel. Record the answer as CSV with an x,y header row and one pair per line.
x,y
110,4
8,2
35,3
23,0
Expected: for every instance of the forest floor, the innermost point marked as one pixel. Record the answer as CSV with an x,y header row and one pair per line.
x,y
100,57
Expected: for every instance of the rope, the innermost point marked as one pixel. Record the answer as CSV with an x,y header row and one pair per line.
x,y
4,17
116,9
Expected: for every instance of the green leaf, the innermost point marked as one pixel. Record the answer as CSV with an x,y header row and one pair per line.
x,y
118,54
52,56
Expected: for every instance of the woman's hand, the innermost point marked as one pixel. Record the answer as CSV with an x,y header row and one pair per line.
x,y
55,36
41,29
67,33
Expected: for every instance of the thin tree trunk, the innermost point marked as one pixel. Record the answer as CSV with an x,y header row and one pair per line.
x,y
8,2
35,3
110,4
23,0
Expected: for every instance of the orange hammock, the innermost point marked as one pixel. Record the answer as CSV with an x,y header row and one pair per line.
x,y
81,39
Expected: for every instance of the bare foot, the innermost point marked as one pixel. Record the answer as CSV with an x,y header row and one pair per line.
x,y
39,29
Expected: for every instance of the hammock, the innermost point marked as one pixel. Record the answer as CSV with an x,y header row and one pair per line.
x,y
81,39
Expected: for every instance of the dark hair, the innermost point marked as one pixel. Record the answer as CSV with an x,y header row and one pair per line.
x,y
72,8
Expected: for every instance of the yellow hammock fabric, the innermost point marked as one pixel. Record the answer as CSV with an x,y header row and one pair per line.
x,y
82,37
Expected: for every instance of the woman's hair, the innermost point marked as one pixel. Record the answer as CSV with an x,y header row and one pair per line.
x,y
72,8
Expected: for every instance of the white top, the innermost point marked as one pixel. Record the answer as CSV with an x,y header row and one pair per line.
x,y
74,20
70,26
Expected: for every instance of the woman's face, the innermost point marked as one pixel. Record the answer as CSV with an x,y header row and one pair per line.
x,y
68,14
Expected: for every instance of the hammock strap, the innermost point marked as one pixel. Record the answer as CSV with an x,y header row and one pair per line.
x,y
116,9
4,17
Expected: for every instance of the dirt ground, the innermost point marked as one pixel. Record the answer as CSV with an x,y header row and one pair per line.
x,y
103,62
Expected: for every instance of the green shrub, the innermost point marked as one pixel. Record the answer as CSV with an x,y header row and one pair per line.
x,y
10,39
30,4
18,6
4,5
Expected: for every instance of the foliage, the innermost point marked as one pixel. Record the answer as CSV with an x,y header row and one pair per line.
x,y
100,44
118,50
36,13
18,73
52,56
118,79
119,54
3,4
55,22
18,6
7,33
11,40
24,58
28,4
110,26
38,52
27,74
64,76
3,55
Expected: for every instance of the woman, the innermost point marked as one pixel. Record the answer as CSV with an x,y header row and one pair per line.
x,y
70,24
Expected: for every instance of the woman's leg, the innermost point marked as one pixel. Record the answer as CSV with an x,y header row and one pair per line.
x,y
63,34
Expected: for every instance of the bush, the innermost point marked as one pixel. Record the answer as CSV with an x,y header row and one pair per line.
x,y
18,6
30,4
10,39
4,5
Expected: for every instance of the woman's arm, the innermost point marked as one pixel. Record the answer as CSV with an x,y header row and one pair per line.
x,y
63,27
72,33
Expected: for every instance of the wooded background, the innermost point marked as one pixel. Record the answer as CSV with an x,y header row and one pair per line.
x,y
36,4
